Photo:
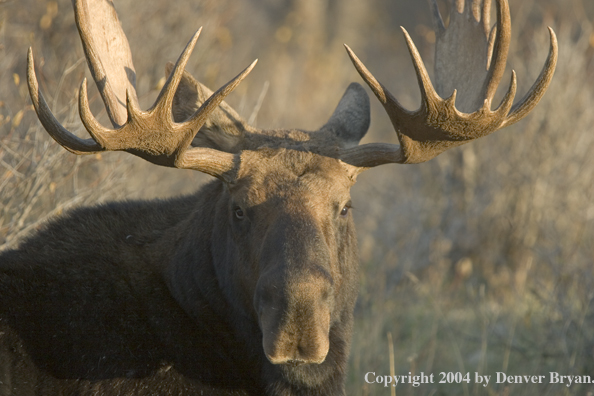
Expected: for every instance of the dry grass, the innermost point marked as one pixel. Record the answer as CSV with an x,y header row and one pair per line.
x,y
479,261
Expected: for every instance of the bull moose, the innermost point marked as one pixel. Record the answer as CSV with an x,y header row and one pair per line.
x,y
248,286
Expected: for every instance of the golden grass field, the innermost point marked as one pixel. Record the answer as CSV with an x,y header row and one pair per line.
x,y
479,261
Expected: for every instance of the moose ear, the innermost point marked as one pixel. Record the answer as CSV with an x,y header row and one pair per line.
x,y
350,120
223,130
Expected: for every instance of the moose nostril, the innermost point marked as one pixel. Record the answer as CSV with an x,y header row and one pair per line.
x,y
294,362
297,357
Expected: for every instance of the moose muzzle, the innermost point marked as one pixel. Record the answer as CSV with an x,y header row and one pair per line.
x,y
294,295
295,325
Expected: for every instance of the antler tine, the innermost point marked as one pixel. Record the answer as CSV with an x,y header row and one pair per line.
x,y
98,132
383,95
486,17
70,142
475,9
499,57
436,18
531,99
508,99
428,94
195,122
163,103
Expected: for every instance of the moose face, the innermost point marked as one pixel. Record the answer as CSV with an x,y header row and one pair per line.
x,y
293,243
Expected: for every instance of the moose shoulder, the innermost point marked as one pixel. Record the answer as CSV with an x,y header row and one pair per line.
x,y
248,286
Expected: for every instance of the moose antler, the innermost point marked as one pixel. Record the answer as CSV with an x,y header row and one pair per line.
x,y
152,135
438,125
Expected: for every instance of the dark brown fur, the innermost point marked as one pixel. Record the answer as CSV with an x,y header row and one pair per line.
x,y
162,297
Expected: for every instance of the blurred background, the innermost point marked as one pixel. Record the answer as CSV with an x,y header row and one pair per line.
x,y
479,261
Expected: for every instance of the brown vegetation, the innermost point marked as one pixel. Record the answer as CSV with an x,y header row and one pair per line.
x,y
480,260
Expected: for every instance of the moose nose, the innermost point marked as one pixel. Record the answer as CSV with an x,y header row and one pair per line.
x,y
308,350
296,324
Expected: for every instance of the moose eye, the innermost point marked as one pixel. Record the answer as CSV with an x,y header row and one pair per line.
x,y
239,213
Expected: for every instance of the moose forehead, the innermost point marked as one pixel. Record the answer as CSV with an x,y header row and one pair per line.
x,y
291,174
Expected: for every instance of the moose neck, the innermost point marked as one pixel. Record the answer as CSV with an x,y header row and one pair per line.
x,y
190,272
